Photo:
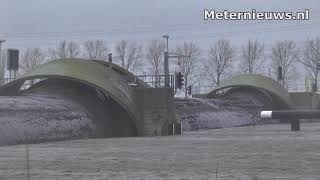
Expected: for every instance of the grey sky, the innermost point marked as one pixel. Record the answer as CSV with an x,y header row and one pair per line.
x,y
43,23
33,23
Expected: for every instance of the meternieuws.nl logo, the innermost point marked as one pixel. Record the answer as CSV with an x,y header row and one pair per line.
x,y
256,15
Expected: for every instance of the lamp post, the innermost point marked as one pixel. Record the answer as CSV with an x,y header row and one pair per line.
x,y
168,55
2,81
166,63
167,37
1,41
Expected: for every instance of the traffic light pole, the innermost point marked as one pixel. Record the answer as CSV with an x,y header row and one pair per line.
x,y
166,62
166,66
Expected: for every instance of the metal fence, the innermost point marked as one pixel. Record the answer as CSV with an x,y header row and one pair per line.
x,y
157,81
291,88
299,88
6,80
202,89
27,84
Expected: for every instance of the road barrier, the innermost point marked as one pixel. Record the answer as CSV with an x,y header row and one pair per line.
x,y
292,115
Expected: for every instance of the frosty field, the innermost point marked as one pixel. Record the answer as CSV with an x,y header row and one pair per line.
x,y
255,152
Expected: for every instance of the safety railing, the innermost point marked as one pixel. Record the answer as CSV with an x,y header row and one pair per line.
x,y
6,80
202,89
157,81
27,84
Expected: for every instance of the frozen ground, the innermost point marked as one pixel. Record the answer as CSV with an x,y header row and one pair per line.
x,y
198,114
39,118
265,152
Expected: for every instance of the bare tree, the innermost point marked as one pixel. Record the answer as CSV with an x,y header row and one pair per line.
x,y
187,64
30,59
65,50
121,50
96,49
312,59
154,56
73,49
130,55
252,55
220,60
284,54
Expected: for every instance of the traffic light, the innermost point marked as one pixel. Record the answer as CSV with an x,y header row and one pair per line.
x,y
189,89
179,80
110,57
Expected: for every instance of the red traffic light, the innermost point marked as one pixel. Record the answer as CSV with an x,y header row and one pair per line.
x,y
189,90
179,80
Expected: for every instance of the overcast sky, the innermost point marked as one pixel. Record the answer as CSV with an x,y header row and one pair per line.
x,y
41,23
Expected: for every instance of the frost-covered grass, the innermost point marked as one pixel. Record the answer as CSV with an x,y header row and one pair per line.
x,y
39,118
214,113
266,152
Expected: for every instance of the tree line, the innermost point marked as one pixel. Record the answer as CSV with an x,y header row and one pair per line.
x,y
222,58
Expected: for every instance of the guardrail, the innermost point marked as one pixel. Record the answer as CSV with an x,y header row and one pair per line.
x,y
27,84
6,80
202,89
292,115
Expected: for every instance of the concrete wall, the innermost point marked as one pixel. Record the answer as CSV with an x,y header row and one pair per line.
x,y
157,109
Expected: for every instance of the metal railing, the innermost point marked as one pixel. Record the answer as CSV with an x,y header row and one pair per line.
x,y
298,88
6,80
26,85
157,81
202,89
291,88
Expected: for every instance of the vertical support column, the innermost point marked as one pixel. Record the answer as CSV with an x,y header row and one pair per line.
x,y
295,125
156,106
166,70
